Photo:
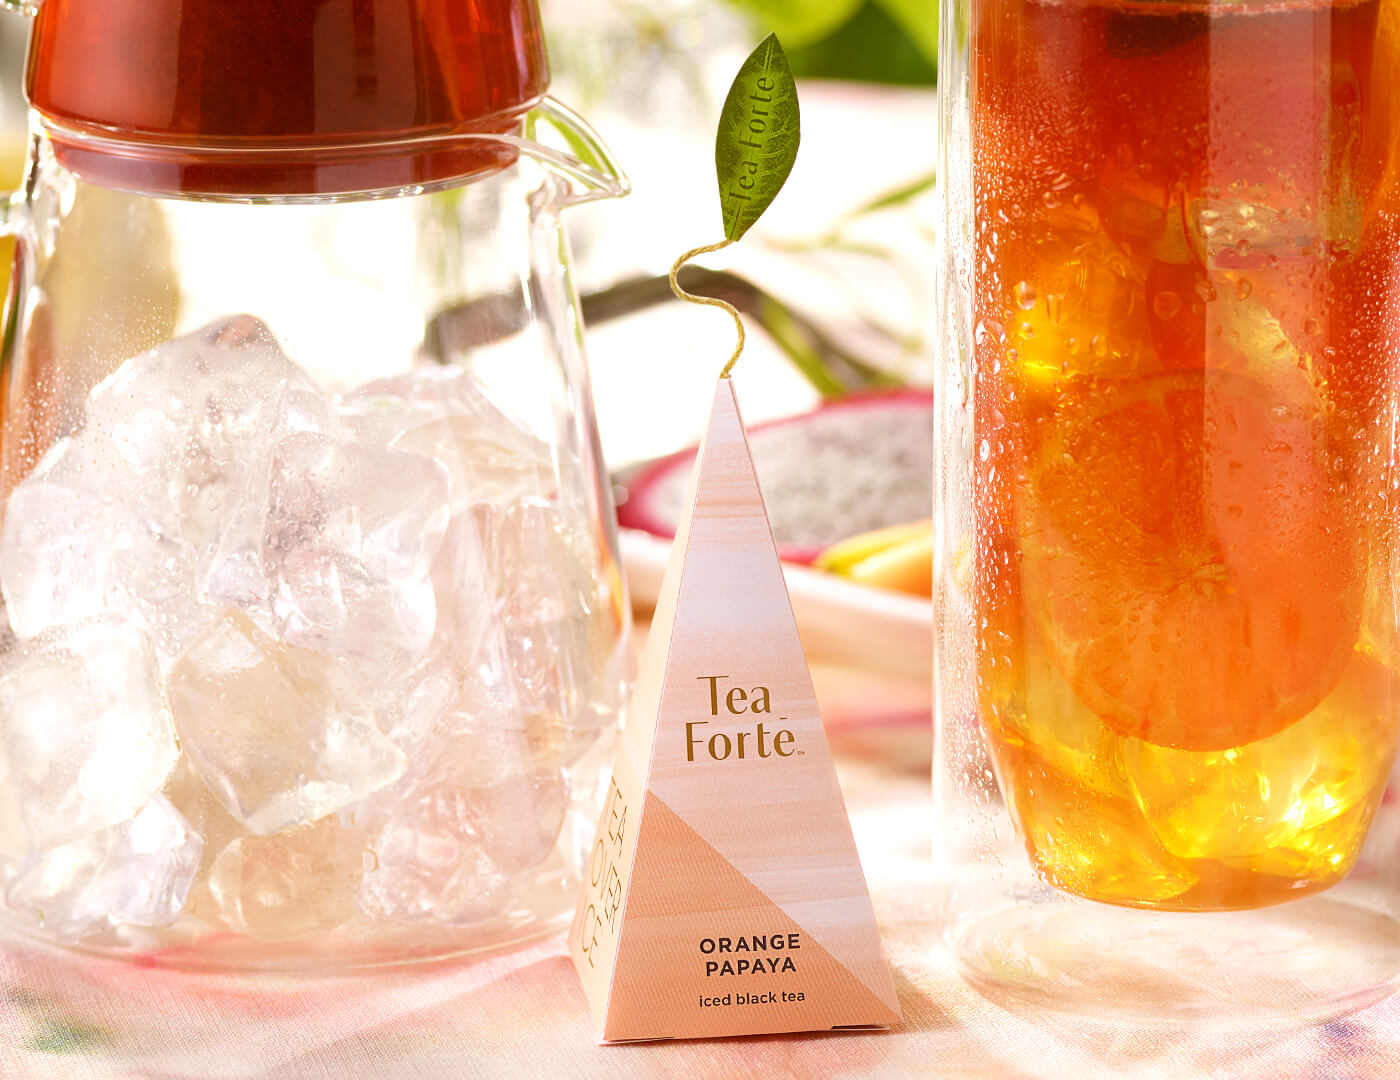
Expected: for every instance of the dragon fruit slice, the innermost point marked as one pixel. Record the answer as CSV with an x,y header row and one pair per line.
x,y
848,467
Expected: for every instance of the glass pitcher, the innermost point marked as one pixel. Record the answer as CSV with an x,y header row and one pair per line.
x,y
316,644
1166,701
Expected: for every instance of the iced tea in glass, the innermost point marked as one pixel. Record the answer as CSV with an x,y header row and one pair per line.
x,y
1184,405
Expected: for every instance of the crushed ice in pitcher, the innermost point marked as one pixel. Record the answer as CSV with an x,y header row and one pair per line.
x,y
281,662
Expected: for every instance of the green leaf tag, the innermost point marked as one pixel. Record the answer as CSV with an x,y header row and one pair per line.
x,y
759,129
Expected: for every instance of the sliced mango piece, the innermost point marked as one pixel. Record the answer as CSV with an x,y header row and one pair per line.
x,y
898,558
841,557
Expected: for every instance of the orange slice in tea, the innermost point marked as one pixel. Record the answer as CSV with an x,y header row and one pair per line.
x,y
1195,573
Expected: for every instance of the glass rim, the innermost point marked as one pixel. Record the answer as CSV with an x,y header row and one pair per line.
x,y
494,128
586,161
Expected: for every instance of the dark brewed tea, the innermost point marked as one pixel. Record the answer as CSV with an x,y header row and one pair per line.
x,y
183,86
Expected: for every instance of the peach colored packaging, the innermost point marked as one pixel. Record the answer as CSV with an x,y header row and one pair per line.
x,y
724,894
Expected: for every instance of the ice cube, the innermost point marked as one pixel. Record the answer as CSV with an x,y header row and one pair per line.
x,y
1287,804
460,699
410,704
560,622
68,554
459,854
1086,843
453,718
409,707
446,414
486,462
348,536
172,462
299,881
1031,704
181,433
455,839
464,594
424,874
280,735
56,554
381,410
87,734
189,794
135,873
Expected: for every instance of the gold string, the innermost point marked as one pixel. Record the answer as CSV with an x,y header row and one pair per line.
x,y
709,301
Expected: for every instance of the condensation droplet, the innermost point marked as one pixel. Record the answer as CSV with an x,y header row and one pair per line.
x,y
1243,288
1025,295
989,330
1098,345
1166,304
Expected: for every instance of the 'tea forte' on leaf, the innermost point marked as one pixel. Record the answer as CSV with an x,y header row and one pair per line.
x,y
759,131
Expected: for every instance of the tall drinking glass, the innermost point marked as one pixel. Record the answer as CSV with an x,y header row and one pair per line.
x,y
1167,648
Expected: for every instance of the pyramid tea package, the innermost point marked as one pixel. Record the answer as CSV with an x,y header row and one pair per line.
x,y
724,894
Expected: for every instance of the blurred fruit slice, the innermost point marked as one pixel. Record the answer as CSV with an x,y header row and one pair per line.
x,y
849,467
899,557
1200,583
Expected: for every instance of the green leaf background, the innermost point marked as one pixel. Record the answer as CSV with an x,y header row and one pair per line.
x,y
887,41
800,22
919,20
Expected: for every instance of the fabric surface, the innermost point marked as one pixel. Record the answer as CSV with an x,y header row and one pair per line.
x,y
521,1014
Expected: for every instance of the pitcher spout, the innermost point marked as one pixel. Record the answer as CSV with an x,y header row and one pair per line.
x,y
584,160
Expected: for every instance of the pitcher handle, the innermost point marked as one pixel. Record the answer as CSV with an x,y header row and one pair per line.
x,y
588,161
